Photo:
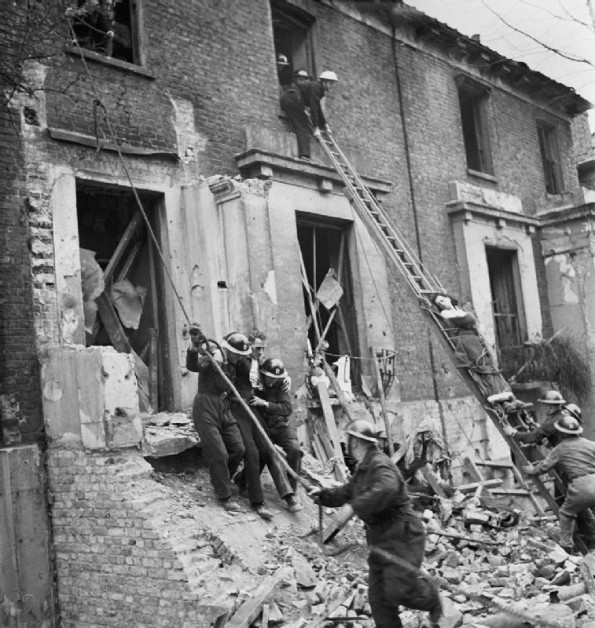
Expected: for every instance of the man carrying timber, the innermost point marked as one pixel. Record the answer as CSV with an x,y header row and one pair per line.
x,y
395,535
575,457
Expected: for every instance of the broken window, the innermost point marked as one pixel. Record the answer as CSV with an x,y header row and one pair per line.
x,y
292,32
325,259
550,157
121,282
506,298
108,27
472,100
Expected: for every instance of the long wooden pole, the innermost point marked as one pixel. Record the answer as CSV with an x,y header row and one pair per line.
x,y
389,440
256,422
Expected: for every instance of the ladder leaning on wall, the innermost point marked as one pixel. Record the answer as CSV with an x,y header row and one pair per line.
x,y
424,286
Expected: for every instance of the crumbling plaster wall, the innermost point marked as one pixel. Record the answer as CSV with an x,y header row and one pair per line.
x,y
569,252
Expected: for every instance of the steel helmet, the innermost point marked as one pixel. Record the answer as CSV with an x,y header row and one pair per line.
x,y
574,411
553,397
301,73
237,343
273,367
328,75
282,60
362,429
568,425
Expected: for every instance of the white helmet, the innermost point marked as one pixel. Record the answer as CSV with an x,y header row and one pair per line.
x,y
328,75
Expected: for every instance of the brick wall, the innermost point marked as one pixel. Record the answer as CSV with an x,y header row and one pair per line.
x,y
20,415
219,56
129,550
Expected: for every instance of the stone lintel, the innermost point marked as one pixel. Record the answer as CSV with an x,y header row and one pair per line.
x,y
500,218
252,162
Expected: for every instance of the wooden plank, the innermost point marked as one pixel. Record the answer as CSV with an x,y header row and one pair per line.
x,y
340,394
466,488
332,430
264,621
331,608
122,246
338,522
111,322
153,370
389,440
433,482
251,608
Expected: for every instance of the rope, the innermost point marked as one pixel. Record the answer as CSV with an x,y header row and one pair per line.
x,y
215,364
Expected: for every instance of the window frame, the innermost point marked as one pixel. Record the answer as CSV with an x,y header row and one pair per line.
x,y
137,38
474,125
551,158
301,19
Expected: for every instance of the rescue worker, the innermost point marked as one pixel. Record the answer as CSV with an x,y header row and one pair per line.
x,y
573,410
395,534
218,430
575,456
547,430
237,345
302,104
257,340
274,405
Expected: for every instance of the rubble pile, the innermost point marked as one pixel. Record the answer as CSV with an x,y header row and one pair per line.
x,y
495,567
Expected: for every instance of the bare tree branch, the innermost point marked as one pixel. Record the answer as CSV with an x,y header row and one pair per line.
x,y
557,51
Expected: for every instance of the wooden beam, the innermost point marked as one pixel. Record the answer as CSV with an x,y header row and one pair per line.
x,y
252,607
112,324
389,440
333,432
338,522
122,246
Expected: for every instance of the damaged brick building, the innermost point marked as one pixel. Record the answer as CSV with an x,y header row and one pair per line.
x,y
470,153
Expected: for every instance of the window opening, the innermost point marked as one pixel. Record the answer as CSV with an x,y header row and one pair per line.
x,y
506,299
550,158
293,41
108,27
120,282
325,247
472,101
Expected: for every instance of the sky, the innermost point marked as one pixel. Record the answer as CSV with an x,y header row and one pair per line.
x,y
563,25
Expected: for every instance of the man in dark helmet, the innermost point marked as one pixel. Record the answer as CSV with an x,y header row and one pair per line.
x,y
546,431
575,456
395,535
274,405
220,437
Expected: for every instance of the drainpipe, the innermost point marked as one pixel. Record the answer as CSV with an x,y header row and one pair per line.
x,y
415,218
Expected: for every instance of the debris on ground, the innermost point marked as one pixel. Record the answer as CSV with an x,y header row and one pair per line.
x,y
495,567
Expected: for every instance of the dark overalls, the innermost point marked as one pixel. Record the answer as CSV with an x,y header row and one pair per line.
x,y
292,105
379,497
217,428
277,420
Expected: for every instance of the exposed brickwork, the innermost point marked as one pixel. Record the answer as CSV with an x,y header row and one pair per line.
x,y
20,403
128,551
230,79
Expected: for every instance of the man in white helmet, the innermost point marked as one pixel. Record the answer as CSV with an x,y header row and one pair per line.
x,y
395,534
302,104
575,457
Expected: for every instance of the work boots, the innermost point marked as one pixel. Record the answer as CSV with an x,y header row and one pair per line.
x,y
262,511
293,503
230,505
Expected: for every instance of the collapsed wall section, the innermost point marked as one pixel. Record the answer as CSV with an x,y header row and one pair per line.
x,y
128,550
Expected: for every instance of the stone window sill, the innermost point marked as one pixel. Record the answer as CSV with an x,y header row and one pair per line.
x,y
482,175
132,68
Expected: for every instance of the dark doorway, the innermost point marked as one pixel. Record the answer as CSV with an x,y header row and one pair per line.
x,y
324,248
506,297
121,281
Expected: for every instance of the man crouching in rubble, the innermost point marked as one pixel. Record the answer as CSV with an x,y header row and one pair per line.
x,y
395,534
